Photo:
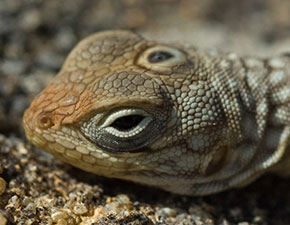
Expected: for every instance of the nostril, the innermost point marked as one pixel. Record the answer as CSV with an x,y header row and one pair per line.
x,y
44,121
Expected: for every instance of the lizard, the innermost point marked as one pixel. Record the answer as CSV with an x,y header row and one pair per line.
x,y
188,120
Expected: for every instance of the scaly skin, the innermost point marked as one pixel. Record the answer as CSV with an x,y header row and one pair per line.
x,y
183,119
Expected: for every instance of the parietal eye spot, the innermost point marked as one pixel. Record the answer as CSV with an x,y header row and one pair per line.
x,y
159,56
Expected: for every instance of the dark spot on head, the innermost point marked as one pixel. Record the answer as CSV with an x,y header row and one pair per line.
x,y
159,56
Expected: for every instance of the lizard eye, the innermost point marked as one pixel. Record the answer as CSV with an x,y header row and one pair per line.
x,y
123,130
127,123
161,58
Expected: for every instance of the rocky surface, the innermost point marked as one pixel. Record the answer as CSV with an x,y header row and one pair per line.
x,y
36,36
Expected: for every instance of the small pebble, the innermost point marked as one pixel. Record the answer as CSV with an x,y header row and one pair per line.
x,y
124,199
3,220
167,212
57,216
61,222
80,209
2,185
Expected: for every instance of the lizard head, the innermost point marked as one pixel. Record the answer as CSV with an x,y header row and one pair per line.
x,y
125,107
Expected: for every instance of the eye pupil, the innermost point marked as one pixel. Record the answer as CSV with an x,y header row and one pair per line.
x,y
126,123
159,56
